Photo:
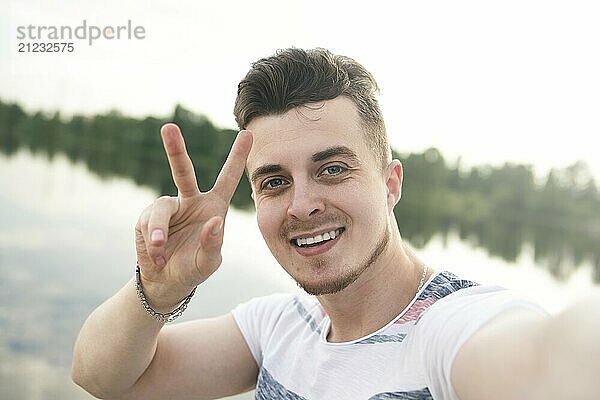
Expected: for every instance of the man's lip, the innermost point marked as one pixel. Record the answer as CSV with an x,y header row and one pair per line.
x,y
315,233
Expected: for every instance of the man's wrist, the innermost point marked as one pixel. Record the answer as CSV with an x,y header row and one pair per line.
x,y
162,303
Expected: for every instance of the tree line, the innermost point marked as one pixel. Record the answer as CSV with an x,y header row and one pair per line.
x,y
497,207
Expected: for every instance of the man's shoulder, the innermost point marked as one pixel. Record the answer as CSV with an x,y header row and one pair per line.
x,y
446,289
281,300
276,305
445,283
452,298
266,320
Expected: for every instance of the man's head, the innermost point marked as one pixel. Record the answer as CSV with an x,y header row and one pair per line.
x,y
322,184
295,77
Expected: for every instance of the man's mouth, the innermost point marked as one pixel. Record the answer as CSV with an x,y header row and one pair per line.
x,y
318,239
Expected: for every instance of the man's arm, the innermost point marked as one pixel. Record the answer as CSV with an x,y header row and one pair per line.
x,y
521,355
122,352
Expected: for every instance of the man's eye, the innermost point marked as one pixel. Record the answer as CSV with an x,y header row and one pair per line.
x,y
273,183
333,170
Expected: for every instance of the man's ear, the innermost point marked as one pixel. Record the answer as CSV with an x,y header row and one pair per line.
x,y
393,181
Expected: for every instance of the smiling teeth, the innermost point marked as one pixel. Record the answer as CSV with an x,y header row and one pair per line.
x,y
318,238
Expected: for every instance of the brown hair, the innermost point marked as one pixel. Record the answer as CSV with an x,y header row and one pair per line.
x,y
294,77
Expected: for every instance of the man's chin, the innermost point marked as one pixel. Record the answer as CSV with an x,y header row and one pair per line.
x,y
322,288
325,267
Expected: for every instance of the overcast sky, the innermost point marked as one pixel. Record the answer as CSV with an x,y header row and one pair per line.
x,y
489,81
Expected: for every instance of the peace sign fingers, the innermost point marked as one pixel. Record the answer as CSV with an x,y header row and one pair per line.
x,y
233,169
181,165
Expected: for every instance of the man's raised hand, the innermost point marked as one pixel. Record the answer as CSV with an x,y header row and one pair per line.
x,y
178,239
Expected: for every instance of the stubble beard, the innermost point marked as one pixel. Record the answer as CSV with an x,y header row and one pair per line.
x,y
349,273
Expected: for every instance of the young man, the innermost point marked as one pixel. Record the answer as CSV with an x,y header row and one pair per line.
x,y
376,323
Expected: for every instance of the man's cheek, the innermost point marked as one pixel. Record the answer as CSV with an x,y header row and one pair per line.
x,y
263,224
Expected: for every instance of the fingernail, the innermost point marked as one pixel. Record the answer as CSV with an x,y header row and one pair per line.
x,y
157,235
216,229
159,261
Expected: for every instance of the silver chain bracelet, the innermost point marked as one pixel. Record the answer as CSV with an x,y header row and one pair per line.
x,y
164,318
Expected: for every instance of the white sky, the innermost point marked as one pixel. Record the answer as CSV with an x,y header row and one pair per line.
x,y
490,81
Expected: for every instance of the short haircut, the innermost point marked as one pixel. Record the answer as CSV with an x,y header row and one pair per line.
x,y
294,77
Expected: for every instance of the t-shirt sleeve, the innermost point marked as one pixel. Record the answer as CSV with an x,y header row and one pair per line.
x,y
446,326
257,318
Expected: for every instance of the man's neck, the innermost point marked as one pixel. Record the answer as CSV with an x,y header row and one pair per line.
x,y
381,292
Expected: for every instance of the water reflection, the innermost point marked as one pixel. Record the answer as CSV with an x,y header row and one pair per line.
x,y
560,251
67,245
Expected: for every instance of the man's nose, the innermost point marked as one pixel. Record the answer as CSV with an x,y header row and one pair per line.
x,y
306,201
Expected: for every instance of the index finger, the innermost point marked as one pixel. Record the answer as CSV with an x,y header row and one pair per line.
x,y
181,165
233,169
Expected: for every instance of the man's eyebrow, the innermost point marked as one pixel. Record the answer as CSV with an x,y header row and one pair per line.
x,y
334,151
318,156
264,170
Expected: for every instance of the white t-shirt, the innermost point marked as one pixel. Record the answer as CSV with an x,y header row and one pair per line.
x,y
409,358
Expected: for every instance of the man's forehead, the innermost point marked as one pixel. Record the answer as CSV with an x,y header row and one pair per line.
x,y
306,130
287,156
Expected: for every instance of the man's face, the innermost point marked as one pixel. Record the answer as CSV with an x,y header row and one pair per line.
x,y
314,180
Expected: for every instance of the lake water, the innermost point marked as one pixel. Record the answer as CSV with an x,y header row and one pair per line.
x,y
66,244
